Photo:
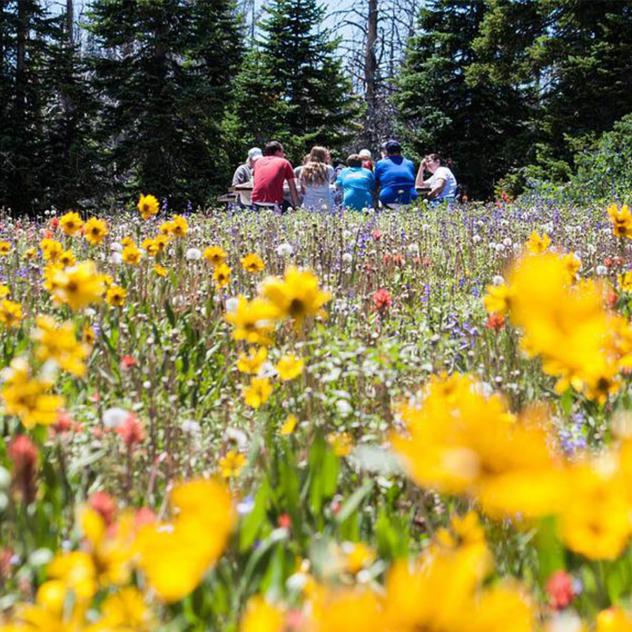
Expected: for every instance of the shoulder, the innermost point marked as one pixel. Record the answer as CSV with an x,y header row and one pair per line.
x,y
443,173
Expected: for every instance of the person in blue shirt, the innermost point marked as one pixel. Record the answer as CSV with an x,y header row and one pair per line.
x,y
357,184
395,177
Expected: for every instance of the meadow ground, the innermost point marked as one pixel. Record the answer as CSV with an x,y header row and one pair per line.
x,y
397,421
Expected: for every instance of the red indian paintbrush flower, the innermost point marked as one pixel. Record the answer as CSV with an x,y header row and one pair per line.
x,y
23,454
560,590
382,300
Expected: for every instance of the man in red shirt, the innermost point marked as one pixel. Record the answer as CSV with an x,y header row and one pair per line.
x,y
270,173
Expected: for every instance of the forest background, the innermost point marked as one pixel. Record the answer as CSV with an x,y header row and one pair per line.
x,y
110,97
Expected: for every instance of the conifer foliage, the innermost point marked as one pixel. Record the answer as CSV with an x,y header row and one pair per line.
x,y
295,67
164,74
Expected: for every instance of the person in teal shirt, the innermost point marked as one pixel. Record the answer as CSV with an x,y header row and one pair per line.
x,y
357,184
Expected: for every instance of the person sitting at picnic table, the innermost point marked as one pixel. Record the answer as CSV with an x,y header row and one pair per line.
x,y
395,177
357,184
316,179
243,173
271,171
442,182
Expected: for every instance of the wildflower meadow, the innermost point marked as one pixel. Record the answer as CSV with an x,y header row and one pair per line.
x,y
259,422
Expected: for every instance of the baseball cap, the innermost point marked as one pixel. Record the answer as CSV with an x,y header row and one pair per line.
x,y
392,145
254,152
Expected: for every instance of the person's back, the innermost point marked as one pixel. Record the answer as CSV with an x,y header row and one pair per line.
x,y
358,185
316,179
269,174
395,177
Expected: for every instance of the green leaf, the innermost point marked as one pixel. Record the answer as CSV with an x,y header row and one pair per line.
x,y
353,502
254,521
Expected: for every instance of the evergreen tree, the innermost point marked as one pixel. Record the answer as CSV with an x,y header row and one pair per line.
x,y
571,58
166,81
26,33
294,82
480,127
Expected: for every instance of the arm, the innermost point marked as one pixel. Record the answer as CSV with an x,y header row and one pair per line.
x,y
438,187
293,192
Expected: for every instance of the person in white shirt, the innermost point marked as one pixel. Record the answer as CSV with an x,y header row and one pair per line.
x,y
316,179
442,182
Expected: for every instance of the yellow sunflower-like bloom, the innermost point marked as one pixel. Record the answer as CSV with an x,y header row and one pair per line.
x,y
28,397
297,295
10,313
5,248
115,296
252,263
175,556
252,362
460,441
148,206
257,392
132,255
621,220
253,320
215,255
71,223
231,465
51,249
78,286
261,616
497,299
221,275
537,244
57,341
95,231
289,367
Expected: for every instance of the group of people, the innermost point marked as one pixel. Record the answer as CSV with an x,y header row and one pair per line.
x,y
317,185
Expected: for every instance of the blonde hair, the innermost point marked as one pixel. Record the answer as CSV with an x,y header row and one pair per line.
x,y
315,169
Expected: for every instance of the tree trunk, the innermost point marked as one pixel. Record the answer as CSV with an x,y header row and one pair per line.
x,y
70,22
20,64
370,68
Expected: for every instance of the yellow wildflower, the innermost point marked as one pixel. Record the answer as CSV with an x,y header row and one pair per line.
x,y
161,271
5,248
4,291
148,206
231,464
498,299
289,425
257,392
221,275
595,519
57,342
252,362
132,255
28,397
179,226
128,241
261,616
625,281
289,367
341,443
78,286
150,247
565,325
461,442
88,335
621,220
166,229
71,223
10,313
67,258
297,295
537,244
161,242
77,572
30,253
215,255
252,263
95,231
125,610
176,555
357,556
51,249
573,264
115,296
614,619
253,320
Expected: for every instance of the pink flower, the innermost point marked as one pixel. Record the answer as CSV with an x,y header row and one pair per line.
x,y
131,431
128,362
23,453
382,300
104,505
560,590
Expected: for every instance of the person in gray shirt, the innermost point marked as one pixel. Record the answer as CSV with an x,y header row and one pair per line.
x,y
243,173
